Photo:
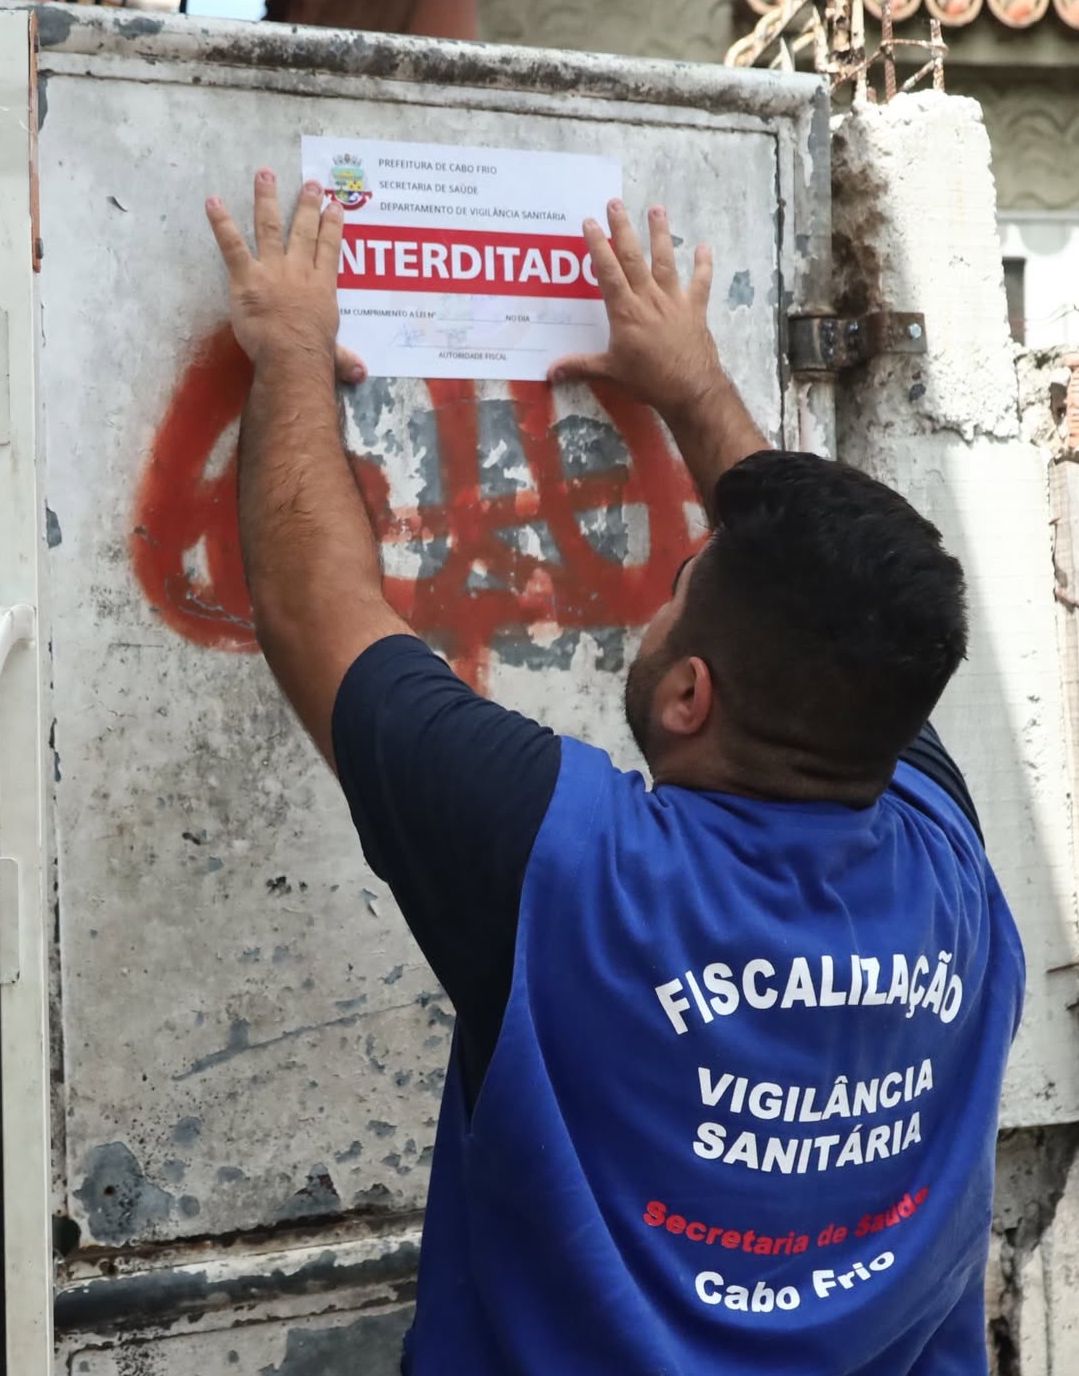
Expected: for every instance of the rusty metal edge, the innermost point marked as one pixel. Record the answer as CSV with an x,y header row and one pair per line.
x,y
831,344
160,1296
36,248
97,30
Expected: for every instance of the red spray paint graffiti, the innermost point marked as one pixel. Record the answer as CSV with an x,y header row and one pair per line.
x,y
178,506
182,511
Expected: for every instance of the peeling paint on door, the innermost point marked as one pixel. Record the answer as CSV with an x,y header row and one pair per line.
x,y
253,1051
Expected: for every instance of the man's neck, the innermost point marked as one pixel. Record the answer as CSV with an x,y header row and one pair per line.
x,y
776,773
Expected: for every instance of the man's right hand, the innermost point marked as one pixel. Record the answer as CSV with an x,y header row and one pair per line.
x,y
661,349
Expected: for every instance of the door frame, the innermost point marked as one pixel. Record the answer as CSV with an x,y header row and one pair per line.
x,y
24,987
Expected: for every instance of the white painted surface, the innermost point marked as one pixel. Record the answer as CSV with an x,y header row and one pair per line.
x,y
285,1023
1034,1316
24,1050
1048,245
248,10
1062,1281
944,430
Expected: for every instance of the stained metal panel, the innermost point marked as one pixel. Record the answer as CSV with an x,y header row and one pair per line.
x,y
251,1045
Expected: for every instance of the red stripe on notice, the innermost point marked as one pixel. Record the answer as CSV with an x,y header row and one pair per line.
x,y
476,262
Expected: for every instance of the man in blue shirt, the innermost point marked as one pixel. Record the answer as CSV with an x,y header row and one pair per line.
x,y
729,1051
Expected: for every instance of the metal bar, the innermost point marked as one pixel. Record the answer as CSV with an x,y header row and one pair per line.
x,y
887,47
164,1294
769,30
24,1042
33,122
857,43
16,627
939,51
10,952
912,82
1071,406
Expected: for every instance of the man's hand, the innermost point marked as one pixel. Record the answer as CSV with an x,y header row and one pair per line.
x,y
660,349
285,299
310,555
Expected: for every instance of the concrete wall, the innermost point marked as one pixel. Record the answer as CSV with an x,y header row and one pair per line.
x,y
1032,1290
1033,123
685,30
703,30
914,224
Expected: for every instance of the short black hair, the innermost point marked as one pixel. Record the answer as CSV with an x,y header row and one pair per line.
x,y
826,608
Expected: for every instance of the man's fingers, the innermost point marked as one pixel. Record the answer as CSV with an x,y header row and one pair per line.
x,y
664,269
349,366
230,241
305,222
328,248
268,241
608,270
700,284
584,367
626,245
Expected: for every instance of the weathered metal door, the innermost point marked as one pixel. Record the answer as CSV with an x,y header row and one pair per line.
x,y
248,1051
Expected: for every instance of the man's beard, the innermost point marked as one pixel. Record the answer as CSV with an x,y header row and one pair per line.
x,y
641,683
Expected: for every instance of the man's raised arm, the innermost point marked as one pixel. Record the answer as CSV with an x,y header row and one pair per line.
x,y
661,349
309,552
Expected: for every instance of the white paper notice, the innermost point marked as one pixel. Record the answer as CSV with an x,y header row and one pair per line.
x,y
464,262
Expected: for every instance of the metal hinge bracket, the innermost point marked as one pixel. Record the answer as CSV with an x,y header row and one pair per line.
x,y
831,343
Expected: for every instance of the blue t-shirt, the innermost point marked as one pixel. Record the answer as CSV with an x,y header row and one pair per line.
x,y
739,1110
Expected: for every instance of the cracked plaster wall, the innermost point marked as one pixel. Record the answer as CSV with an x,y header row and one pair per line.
x,y
913,201
1031,1293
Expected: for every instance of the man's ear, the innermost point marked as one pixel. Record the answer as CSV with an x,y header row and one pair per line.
x,y
684,697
